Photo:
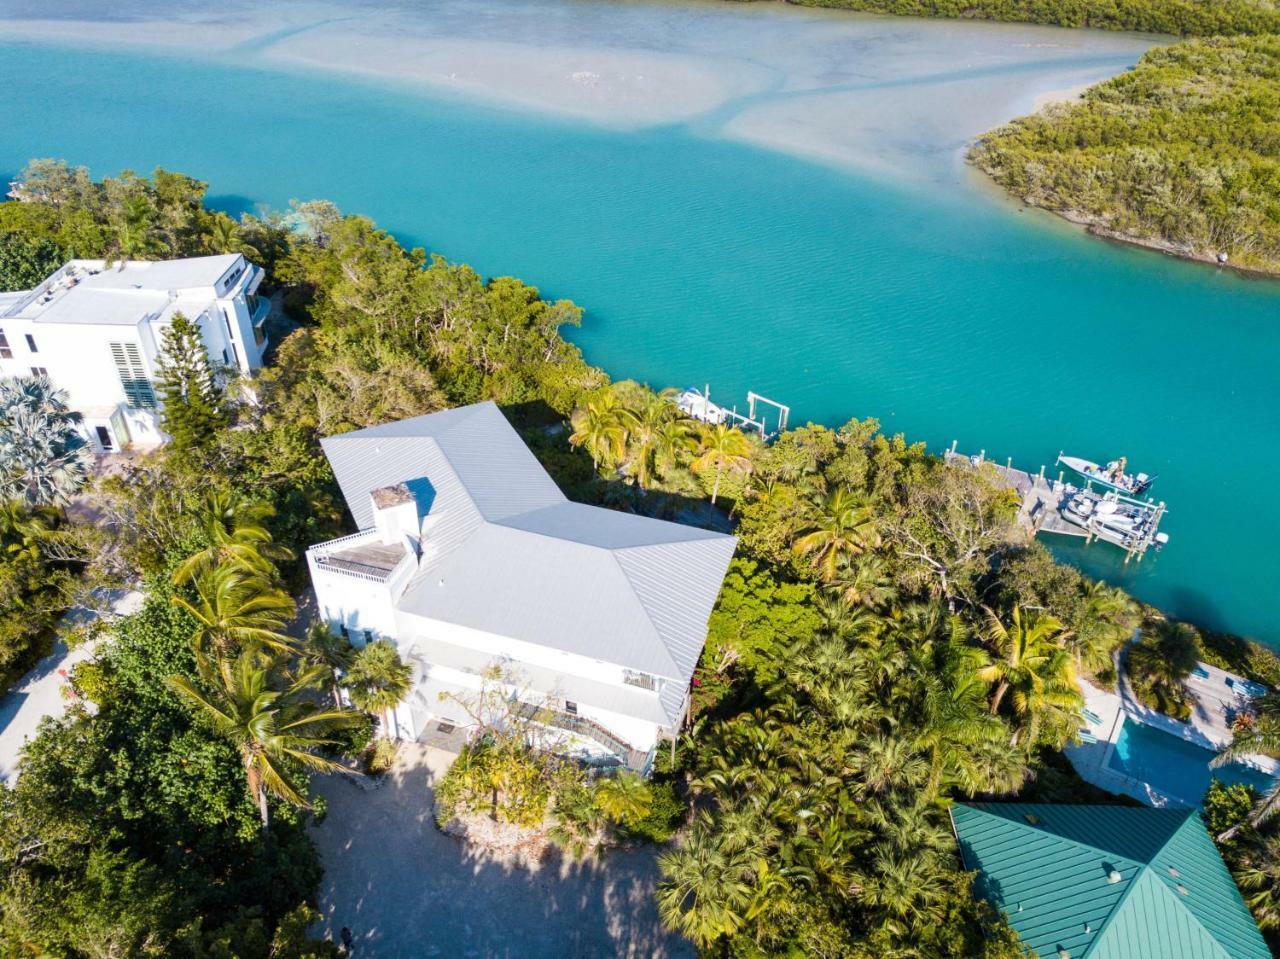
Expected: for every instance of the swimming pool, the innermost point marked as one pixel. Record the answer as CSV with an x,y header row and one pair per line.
x,y
1174,767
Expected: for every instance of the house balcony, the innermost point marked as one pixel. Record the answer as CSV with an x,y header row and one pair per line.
x,y
260,310
363,556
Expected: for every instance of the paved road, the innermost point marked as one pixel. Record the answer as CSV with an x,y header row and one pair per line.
x,y
39,693
407,890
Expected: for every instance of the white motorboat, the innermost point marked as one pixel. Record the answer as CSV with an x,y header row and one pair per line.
x,y
1091,511
697,404
1111,476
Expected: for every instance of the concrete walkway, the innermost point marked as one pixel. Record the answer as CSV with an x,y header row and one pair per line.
x,y
407,890
40,692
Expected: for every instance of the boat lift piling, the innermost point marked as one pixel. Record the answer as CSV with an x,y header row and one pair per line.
x,y
699,406
1042,501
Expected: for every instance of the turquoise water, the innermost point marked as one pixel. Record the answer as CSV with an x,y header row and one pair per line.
x,y
1172,766
944,314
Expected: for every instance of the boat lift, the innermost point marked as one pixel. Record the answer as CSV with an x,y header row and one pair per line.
x,y
1043,499
698,405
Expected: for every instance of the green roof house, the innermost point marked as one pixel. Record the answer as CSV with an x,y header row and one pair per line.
x,y
1107,882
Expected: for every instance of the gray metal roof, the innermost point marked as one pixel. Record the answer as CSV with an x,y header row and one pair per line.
x,y
505,552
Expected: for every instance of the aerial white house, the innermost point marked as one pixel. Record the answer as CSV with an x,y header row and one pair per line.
x,y
96,331
469,558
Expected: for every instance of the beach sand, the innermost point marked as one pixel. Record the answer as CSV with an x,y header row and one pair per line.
x,y
898,97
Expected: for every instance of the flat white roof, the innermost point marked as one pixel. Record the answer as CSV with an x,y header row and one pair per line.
x,y
123,294
158,274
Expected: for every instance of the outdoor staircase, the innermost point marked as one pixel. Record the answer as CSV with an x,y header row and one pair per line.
x,y
632,759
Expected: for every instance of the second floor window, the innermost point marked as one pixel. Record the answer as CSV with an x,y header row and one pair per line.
x,y
138,391
31,343
5,352
39,371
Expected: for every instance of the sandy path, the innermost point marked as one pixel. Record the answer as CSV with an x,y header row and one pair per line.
x,y
407,890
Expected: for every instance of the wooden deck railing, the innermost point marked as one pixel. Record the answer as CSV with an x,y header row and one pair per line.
x,y
633,759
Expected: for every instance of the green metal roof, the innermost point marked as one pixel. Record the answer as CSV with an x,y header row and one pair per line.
x,y
1050,869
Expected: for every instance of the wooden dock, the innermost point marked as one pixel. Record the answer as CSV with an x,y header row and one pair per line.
x,y
1042,500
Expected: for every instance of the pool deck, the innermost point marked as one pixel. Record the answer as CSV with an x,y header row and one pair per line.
x,y
1209,728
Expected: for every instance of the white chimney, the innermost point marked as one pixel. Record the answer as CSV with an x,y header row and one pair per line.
x,y
395,514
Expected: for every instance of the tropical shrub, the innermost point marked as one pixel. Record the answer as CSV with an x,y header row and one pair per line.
x,y
665,816
1180,17
500,778
1178,153
26,261
131,833
1226,806
380,757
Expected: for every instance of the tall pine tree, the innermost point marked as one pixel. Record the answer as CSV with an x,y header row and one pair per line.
x,y
193,408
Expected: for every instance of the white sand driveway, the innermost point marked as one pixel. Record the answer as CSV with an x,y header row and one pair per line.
x,y
407,890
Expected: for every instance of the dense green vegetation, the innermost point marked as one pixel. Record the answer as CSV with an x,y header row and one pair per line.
x,y
1190,18
1182,153
1158,664
505,774
43,462
886,641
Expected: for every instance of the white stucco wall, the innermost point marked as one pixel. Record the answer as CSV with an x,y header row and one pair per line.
x,y
410,625
354,602
78,358
639,734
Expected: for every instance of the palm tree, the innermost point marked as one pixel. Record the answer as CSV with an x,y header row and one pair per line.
x,y
884,763
135,231
226,236
706,888
1107,616
379,680
966,746
236,536
1161,660
269,726
234,608
24,529
44,461
324,647
601,426
1259,880
722,448
625,798
656,433
842,528
1032,661
863,580
908,887
1262,736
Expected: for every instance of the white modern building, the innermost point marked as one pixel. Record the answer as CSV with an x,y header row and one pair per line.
x,y
470,558
96,330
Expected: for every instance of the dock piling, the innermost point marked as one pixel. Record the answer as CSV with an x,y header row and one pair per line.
x,y
1044,507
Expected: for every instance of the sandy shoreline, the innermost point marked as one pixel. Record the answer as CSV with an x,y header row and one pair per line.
x,y
898,98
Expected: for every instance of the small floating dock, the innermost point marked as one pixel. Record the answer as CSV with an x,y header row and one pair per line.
x,y
1044,503
698,405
